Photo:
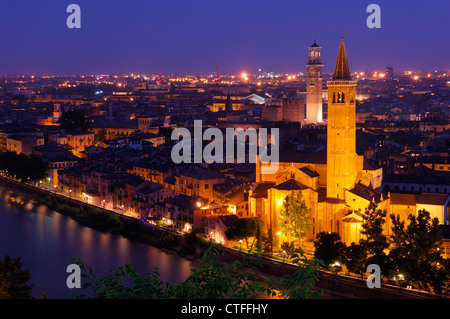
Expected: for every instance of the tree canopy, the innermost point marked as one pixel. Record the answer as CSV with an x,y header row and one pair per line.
x,y
244,228
212,279
329,248
21,166
14,280
417,251
295,217
74,119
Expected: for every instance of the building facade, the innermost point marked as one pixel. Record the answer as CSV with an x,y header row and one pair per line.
x,y
314,70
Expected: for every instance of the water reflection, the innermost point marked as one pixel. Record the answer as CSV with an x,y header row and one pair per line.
x,y
45,240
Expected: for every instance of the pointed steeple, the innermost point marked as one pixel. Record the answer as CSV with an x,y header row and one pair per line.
x,y
341,70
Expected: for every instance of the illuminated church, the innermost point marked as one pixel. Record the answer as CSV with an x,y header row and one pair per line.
x,y
338,185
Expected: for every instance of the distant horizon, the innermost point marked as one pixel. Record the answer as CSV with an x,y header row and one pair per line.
x,y
414,71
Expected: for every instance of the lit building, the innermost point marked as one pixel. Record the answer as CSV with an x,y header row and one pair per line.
x,y
338,185
314,70
342,159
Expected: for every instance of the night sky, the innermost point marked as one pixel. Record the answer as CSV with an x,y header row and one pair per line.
x,y
186,36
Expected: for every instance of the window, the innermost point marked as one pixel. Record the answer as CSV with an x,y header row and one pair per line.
x,y
206,186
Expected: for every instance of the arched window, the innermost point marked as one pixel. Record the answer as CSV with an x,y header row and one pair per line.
x,y
334,97
343,97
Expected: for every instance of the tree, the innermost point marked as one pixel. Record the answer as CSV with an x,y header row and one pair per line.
x,y
74,119
295,217
301,283
166,132
244,228
288,248
213,279
101,135
23,167
375,242
13,280
417,252
329,248
268,242
355,258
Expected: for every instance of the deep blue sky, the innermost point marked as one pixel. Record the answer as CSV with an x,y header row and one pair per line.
x,y
186,36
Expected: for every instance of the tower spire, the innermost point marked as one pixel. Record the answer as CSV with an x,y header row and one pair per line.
x,y
342,70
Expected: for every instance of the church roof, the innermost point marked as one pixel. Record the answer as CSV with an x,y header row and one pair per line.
x,y
341,69
290,185
367,193
260,190
309,172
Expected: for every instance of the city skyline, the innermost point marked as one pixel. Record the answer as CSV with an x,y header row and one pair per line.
x,y
174,37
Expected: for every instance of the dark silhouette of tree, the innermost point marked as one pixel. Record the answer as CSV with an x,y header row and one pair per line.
x,y
355,258
375,242
13,280
417,251
23,167
101,135
74,119
244,228
329,248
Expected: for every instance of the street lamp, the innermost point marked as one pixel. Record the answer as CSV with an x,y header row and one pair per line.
x,y
240,244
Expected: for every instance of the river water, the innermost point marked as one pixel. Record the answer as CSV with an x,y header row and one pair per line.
x,y
45,240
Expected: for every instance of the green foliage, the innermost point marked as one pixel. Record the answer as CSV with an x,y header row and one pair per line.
x,y
218,280
329,248
244,228
23,167
355,258
375,242
268,242
113,286
13,280
417,252
74,119
288,247
300,284
295,217
212,279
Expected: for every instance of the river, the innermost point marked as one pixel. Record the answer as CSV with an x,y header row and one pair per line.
x,y
45,240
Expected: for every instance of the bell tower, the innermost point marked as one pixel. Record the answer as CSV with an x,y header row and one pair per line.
x,y
341,129
314,70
